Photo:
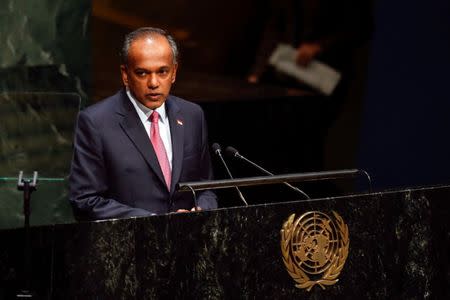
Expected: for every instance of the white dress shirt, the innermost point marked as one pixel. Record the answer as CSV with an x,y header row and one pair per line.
x,y
163,123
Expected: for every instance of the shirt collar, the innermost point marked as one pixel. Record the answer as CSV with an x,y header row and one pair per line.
x,y
144,110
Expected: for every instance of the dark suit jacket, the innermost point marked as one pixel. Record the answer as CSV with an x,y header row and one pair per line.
x,y
115,172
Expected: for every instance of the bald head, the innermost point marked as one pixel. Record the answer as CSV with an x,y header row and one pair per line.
x,y
149,33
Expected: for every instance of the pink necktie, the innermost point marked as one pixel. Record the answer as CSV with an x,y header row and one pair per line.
x,y
160,150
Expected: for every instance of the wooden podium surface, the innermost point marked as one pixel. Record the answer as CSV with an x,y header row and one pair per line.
x,y
398,249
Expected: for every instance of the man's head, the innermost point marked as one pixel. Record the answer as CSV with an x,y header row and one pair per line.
x,y
149,65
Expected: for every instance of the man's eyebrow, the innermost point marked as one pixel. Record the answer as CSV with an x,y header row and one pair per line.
x,y
137,69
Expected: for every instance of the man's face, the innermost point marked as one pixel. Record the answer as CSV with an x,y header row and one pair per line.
x,y
150,71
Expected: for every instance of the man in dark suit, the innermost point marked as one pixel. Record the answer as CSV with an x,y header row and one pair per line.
x,y
132,148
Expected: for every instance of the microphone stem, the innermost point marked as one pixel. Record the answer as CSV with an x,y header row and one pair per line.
x,y
271,174
231,176
255,165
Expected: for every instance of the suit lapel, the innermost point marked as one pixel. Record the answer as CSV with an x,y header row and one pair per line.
x,y
134,129
177,134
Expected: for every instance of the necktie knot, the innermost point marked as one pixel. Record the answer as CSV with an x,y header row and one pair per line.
x,y
154,117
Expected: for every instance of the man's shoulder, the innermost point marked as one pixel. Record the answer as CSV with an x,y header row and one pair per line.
x,y
183,104
105,106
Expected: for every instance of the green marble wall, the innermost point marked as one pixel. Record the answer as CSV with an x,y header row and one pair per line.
x,y
45,46
45,55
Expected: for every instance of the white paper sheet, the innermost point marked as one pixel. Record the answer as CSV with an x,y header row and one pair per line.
x,y
317,74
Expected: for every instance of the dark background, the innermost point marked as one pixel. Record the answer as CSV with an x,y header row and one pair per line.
x,y
404,137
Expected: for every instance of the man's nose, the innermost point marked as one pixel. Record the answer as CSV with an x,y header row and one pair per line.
x,y
152,82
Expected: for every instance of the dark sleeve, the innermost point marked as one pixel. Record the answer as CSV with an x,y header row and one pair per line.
x,y
269,39
88,184
206,199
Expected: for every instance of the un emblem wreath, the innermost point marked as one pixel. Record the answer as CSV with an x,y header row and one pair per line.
x,y
314,246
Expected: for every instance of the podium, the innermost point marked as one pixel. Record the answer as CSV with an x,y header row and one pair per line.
x,y
398,248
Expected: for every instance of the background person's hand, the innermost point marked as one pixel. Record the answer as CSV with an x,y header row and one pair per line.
x,y
306,52
252,78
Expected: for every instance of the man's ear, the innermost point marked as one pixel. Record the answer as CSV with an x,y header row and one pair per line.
x,y
174,74
123,72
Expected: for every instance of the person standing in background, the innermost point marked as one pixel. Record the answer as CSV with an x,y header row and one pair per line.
x,y
319,29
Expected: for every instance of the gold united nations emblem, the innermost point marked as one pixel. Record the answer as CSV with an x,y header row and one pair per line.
x,y
314,248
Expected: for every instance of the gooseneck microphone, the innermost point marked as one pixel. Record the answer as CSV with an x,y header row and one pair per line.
x,y
234,153
218,151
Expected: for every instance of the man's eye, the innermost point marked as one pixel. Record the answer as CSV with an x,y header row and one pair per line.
x,y
162,72
140,73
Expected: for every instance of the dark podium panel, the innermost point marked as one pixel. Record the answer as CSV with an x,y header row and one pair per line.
x,y
399,249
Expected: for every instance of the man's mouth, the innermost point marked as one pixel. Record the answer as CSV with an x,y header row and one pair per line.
x,y
153,95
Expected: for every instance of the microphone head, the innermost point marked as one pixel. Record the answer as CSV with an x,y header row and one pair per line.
x,y
216,148
231,151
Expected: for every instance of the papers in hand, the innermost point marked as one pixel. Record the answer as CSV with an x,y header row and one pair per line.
x,y
316,74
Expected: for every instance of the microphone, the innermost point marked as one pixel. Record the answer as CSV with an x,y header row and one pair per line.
x,y
218,151
234,153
